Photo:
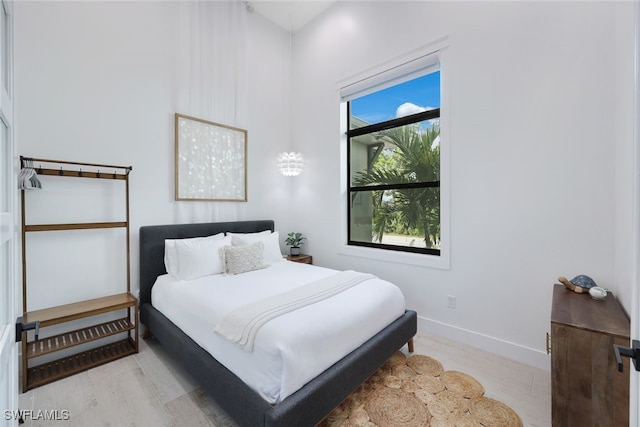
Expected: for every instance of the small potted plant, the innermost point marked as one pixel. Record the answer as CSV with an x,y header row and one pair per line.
x,y
294,240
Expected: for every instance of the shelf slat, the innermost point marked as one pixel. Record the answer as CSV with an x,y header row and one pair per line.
x,y
81,174
60,368
69,339
67,162
79,310
76,226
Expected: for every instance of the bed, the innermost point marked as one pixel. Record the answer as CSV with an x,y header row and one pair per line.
x,y
305,407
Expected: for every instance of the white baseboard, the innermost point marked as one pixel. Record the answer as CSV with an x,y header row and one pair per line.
x,y
519,353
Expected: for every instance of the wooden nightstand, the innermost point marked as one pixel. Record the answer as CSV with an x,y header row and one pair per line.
x,y
302,258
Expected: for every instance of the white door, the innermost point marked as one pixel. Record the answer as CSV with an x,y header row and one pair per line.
x,y
8,230
634,407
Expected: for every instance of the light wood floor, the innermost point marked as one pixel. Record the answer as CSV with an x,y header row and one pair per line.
x,y
148,389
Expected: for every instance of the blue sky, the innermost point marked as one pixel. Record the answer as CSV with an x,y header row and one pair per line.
x,y
400,100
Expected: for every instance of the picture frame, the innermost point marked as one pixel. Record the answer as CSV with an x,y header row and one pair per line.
x,y
210,161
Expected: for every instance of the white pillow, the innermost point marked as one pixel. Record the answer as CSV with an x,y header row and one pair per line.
x,y
188,259
240,259
271,242
250,235
171,256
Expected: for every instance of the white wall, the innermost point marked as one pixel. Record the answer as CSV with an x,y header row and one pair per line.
x,y
97,82
624,51
535,113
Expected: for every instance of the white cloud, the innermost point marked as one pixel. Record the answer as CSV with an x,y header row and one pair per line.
x,y
408,108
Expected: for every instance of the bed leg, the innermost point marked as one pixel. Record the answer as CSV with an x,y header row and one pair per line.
x,y
410,345
146,333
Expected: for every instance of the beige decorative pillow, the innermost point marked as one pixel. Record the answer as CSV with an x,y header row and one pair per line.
x,y
240,259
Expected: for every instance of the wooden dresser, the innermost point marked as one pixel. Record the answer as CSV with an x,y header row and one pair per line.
x,y
586,387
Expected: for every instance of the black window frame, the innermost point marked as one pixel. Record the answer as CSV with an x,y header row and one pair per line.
x,y
351,190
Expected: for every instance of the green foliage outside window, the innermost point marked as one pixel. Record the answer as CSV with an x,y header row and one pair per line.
x,y
411,156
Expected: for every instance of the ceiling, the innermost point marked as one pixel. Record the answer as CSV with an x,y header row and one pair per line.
x,y
290,15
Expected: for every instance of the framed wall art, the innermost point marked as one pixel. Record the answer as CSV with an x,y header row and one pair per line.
x,y
211,161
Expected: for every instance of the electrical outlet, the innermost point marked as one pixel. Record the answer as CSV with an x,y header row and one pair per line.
x,y
451,301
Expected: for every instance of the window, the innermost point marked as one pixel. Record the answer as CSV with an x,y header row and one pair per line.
x,y
393,159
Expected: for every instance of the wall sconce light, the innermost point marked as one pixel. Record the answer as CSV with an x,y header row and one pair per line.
x,y
290,164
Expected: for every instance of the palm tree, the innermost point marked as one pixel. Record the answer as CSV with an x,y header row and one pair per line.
x,y
412,156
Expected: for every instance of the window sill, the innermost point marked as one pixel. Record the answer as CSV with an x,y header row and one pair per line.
x,y
422,260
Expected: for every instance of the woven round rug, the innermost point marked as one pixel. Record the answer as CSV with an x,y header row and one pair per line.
x,y
399,395
453,401
425,365
438,410
492,412
461,383
431,384
392,381
425,397
398,358
404,372
391,407
464,419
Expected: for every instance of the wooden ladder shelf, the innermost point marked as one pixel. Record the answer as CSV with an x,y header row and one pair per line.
x,y
37,373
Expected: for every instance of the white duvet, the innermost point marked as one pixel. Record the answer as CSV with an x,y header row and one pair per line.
x,y
291,349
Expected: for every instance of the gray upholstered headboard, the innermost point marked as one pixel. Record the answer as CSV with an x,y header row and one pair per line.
x,y
152,239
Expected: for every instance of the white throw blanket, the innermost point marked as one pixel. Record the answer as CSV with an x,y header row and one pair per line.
x,y
242,324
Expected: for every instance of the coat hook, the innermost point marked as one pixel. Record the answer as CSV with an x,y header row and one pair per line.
x,y
40,169
98,174
114,174
80,173
60,173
